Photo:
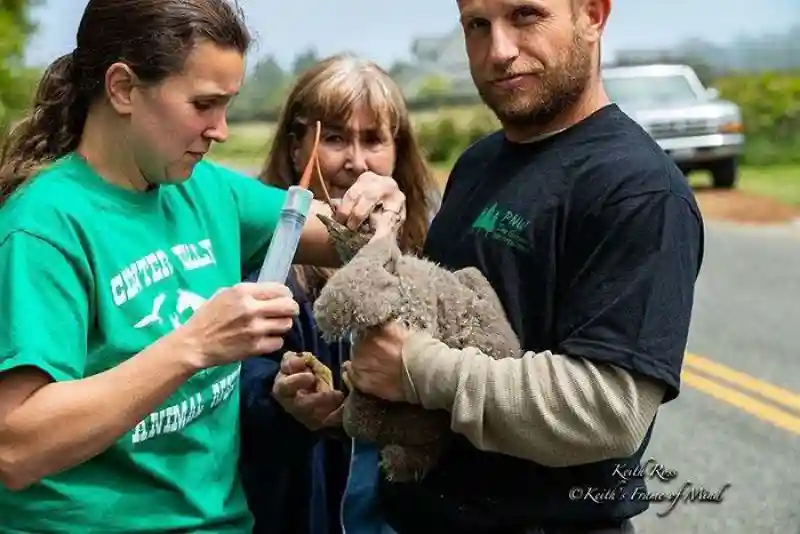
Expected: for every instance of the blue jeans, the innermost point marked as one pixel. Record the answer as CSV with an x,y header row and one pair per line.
x,y
360,508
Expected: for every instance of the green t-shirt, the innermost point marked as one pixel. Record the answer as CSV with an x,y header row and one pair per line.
x,y
90,275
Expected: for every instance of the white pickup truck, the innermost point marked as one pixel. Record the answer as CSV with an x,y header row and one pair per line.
x,y
690,122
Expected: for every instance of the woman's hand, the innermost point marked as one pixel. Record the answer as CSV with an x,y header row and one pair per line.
x,y
238,322
297,391
374,197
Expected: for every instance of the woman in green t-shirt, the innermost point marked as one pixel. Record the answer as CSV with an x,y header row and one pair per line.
x,y
121,251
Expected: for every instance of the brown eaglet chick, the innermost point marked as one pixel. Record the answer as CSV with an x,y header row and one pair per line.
x,y
460,308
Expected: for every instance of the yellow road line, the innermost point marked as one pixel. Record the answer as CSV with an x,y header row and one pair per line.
x,y
744,381
747,404
737,388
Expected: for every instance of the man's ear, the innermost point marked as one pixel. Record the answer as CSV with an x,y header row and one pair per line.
x,y
592,18
120,84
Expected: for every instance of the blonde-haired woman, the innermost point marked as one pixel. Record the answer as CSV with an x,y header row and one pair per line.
x,y
295,462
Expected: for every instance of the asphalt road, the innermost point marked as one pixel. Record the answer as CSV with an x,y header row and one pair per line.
x,y
737,424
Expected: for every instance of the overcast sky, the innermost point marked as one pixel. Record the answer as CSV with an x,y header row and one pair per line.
x,y
382,30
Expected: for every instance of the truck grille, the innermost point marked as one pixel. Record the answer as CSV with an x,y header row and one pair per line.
x,y
682,128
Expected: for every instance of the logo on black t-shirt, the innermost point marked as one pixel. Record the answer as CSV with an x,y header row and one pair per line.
x,y
503,225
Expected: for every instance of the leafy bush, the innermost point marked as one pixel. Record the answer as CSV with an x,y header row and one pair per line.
x,y
444,139
770,104
440,139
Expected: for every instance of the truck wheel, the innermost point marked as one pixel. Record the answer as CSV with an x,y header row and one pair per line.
x,y
724,173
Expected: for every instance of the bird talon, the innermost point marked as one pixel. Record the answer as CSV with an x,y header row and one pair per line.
x,y
320,370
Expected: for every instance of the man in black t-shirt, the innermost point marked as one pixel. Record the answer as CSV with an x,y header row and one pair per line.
x,y
593,241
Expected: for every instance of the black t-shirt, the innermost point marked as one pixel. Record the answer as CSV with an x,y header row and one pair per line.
x,y
593,241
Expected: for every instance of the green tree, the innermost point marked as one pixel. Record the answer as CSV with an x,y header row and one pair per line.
x,y
304,60
434,86
16,82
263,91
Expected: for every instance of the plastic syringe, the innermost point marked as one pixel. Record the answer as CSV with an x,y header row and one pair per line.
x,y
283,246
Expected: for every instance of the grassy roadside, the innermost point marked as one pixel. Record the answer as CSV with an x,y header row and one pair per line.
x,y
246,148
779,182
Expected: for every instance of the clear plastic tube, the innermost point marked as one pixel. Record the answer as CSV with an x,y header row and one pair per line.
x,y
283,246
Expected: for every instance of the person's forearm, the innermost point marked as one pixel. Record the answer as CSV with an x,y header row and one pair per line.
x,y
549,408
63,424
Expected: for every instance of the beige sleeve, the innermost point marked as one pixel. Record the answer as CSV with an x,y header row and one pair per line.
x,y
552,409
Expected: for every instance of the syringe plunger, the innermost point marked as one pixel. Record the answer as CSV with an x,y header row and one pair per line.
x,y
283,246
